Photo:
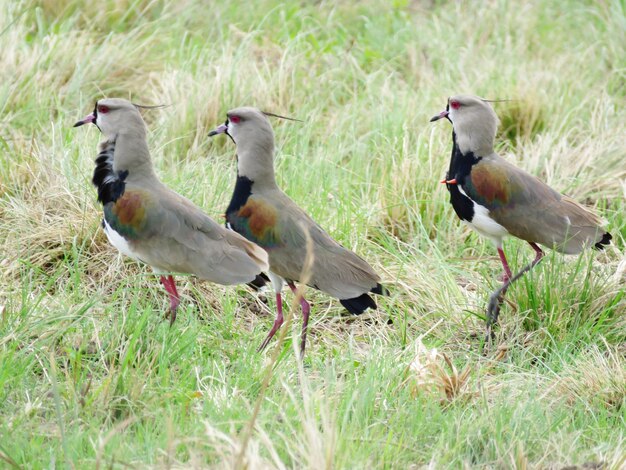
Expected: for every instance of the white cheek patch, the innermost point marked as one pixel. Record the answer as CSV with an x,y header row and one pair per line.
x,y
484,224
118,241
230,129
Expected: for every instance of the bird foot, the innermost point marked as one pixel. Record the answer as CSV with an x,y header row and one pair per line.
x,y
267,339
170,287
171,314
493,310
277,323
490,337
302,343
264,344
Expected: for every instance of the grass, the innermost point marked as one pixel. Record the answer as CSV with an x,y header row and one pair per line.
x,y
91,375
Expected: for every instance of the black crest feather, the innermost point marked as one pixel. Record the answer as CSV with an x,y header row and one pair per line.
x,y
157,106
267,113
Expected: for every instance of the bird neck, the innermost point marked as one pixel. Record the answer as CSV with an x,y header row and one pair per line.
x,y
241,193
460,162
475,136
255,162
132,156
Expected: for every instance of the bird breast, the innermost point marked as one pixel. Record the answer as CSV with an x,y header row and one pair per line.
x,y
118,241
482,222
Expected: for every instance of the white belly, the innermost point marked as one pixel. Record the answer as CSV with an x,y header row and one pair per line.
x,y
277,282
484,224
118,241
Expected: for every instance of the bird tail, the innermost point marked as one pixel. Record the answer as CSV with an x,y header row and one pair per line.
x,y
380,290
358,305
606,239
260,281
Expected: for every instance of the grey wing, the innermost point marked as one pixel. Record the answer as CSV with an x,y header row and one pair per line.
x,y
186,240
538,213
335,269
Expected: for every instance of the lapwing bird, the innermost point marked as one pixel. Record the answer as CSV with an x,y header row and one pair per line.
x,y
497,199
264,214
146,221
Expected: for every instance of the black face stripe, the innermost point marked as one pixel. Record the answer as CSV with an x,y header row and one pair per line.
x,y
226,123
95,113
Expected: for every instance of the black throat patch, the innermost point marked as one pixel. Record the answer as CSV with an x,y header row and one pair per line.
x,y
109,183
243,189
460,169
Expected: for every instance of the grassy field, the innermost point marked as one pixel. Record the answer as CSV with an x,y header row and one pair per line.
x,y
92,376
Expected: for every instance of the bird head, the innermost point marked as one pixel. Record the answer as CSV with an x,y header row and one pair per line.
x,y
115,116
252,133
246,125
474,122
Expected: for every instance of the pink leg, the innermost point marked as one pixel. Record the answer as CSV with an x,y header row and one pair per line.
x,y
507,271
306,310
170,286
277,323
497,296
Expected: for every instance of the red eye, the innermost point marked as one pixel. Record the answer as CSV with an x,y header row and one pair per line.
x,y
103,109
455,104
234,119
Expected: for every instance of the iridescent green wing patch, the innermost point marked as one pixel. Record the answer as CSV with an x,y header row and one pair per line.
x,y
257,221
127,216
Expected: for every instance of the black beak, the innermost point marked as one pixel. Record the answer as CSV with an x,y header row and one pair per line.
x,y
441,115
218,130
86,120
